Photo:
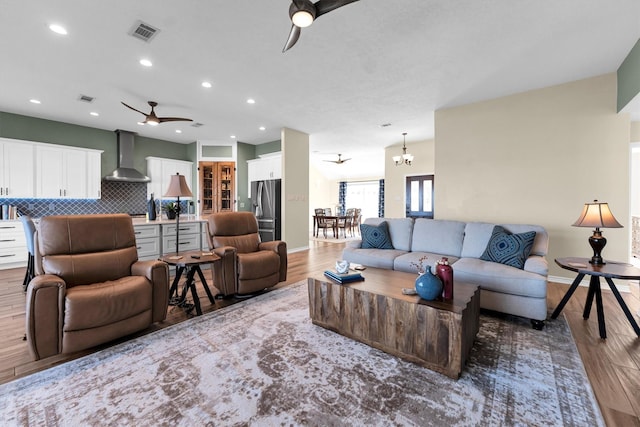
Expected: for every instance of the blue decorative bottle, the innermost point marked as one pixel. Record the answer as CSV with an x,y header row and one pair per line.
x,y
151,209
428,286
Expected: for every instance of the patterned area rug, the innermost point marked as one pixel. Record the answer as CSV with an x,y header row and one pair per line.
x,y
262,362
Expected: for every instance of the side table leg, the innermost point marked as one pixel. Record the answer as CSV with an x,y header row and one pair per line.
x,y
594,283
566,296
627,313
174,286
600,309
205,285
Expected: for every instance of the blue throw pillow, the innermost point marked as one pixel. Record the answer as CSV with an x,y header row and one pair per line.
x,y
375,237
509,249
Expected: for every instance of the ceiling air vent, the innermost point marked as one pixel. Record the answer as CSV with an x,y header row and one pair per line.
x,y
196,125
86,98
144,32
385,125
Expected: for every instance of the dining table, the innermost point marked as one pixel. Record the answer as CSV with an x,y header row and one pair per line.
x,y
334,218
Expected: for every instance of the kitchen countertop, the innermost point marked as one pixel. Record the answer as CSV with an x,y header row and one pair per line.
x,y
164,220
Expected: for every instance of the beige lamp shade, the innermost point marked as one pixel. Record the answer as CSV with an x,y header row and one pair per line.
x,y
178,187
598,215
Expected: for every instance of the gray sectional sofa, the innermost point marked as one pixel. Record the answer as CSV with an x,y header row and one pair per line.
x,y
521,292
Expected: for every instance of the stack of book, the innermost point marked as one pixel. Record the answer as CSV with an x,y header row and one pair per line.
x,y
345,277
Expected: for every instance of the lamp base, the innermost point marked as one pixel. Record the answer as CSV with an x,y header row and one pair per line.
x,y
597,242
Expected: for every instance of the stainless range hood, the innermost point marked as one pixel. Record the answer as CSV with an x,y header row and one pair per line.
x,y
125,171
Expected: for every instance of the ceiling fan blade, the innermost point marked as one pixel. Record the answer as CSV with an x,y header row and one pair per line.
x,y
326,6
173,119
294,35
344,160
129,106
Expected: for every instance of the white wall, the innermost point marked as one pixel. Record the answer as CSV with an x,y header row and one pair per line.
x,y
536,158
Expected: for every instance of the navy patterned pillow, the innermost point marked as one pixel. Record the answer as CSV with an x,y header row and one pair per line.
x,y
375,237
509,249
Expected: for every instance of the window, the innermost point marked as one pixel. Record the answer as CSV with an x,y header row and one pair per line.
x,y
419,196
363,195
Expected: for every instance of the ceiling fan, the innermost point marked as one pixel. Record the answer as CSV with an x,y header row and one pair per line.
x,y
304,12
154,120
339,161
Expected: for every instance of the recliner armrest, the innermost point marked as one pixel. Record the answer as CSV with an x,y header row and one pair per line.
x,y
157,272
46,294
280,248
225,270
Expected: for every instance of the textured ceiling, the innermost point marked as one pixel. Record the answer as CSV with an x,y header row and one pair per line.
x,y
368,63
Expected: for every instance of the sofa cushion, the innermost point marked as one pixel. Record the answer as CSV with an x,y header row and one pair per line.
x,y
438,236
400,230
372,257
477,235
507,248
375,236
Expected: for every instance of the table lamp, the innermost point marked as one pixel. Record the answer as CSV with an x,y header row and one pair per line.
x,y
598,215
178,188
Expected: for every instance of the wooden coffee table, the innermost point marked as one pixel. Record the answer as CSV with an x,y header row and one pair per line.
x,y
435,334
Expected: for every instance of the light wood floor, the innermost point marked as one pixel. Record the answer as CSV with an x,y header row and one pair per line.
x,y
612,365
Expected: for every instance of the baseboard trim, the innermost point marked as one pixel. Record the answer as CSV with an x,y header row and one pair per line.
x,y
622,287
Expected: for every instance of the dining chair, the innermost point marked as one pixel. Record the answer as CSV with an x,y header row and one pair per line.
x,y
346,223
322,222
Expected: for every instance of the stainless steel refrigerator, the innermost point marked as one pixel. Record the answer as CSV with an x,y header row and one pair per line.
x,y
266,204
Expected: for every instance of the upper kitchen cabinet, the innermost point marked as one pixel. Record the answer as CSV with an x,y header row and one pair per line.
x,y
160,171
67,173
17,174
268,166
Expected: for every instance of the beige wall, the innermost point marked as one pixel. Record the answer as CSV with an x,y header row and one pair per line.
x,y
635,131
536,158
295,189
394,176
323,193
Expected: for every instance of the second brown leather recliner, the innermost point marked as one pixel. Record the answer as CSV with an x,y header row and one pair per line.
x,y
247,265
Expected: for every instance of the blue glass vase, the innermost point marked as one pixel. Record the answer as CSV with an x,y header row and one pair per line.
x,y
428,286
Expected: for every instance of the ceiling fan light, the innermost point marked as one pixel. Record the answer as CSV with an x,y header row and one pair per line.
x,y
152,122
302,19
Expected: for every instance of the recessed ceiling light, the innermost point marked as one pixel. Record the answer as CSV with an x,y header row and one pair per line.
x,y
232,137
58,29
146,62
34,101
206,84
262,128
93,113
178,131
141,123
251,101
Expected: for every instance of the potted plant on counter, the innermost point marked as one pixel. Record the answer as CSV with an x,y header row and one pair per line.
x,y
171,209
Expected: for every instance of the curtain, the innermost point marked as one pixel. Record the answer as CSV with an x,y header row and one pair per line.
x,y
381,199
342,197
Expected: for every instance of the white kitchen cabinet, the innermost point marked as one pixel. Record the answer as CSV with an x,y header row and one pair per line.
x,y
65,173
160,171
148,241
190,235
17,174
13,245
94,175
268,166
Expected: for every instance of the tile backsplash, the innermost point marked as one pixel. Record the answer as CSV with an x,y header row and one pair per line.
x,y
117,197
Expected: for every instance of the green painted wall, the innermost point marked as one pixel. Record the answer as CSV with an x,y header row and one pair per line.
x,y
244,152
629,77
41,130
268,147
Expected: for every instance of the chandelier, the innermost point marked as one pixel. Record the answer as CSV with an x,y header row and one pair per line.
x,y
405,159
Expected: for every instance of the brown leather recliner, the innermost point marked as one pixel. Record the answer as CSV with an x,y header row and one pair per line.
x,y
89,286
247,265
